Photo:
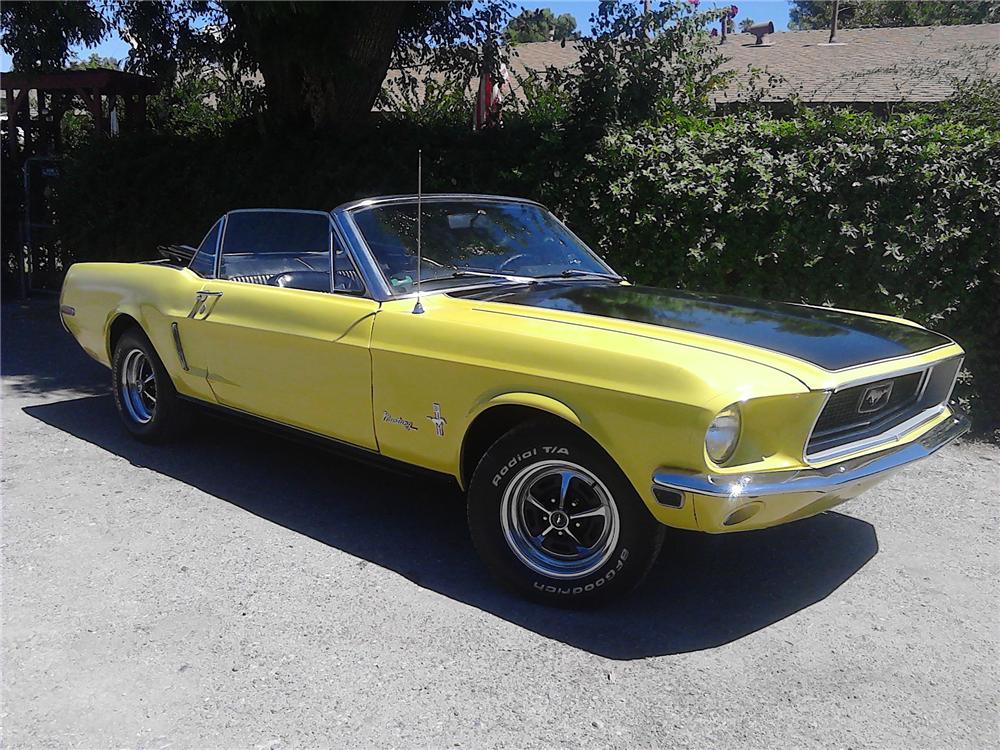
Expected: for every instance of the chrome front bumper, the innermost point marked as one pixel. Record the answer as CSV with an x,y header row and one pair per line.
x,y
836,483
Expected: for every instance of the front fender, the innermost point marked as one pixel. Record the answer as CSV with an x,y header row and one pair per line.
x,y
530,400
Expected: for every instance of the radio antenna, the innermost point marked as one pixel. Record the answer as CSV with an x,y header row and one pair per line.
x,y
418,308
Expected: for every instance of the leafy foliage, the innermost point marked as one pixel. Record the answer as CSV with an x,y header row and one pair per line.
x,y
642,66
818,14
895,216
39,36
322,64
93,61
541,25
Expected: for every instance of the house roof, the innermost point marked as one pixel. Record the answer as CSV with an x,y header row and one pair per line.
x,y
883,65
915,64
106,80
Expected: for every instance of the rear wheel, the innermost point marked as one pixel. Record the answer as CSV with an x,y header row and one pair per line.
x,y
144,394
554,518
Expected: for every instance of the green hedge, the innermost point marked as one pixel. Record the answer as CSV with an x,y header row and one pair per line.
x,y
895,215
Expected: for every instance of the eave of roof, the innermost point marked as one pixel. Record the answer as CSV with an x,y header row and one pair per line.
x,y
105,80
883,65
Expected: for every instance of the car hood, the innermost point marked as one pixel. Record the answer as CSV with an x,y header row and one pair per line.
x,y
829,339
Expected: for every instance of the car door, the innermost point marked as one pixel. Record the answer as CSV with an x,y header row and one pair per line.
x,y
283,341
191,351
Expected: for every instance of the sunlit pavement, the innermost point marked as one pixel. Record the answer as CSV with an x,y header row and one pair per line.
x,y
238,590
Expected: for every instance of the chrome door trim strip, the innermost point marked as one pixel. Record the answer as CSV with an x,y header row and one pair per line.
x,y
180,349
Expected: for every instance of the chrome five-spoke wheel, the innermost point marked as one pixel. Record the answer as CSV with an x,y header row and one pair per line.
x,y
137,386
559,519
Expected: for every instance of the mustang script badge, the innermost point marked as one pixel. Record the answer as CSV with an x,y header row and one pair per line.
x,y
875,398
406,424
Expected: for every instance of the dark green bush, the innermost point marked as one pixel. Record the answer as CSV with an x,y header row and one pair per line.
x,y
896,215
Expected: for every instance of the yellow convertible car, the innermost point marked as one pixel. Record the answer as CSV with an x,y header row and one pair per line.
x,y
580,413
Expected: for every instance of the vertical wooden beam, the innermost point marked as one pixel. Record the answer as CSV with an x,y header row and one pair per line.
x,y
44,132
12,123
60,103
15,107
92,100
26,123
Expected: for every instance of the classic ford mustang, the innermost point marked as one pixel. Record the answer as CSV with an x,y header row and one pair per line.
x,y
580,413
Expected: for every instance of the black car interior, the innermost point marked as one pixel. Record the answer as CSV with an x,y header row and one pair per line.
x,y
289,249
309,271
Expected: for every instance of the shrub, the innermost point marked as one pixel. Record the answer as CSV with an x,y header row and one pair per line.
x,y
897,215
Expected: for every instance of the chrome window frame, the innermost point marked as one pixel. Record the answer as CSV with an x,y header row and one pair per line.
x,y
372,272
218,246
334,234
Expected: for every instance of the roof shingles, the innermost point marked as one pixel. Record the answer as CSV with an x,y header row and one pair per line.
x,y
916,64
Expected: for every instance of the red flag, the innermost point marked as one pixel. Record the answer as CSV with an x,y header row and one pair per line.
x,y
489,96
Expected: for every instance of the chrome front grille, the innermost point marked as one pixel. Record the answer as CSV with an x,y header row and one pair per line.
x,y
863,413
844,410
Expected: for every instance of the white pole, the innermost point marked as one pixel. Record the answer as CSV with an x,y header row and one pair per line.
x,y
419,308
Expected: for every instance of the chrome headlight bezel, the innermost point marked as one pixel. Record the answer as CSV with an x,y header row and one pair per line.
x,y
723,434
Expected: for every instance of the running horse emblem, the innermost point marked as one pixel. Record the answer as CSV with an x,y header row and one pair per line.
x,y
437,420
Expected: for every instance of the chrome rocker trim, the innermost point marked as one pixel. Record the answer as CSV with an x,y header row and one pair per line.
x,y
824,481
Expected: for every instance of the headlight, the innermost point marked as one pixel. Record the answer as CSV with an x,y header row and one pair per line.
x,y
723,434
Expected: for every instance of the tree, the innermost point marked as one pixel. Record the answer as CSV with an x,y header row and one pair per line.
x,y
321,63
540,25
95,61
745,24
644,66
39,36
818,14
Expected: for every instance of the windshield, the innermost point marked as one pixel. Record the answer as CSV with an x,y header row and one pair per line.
x,y
471,238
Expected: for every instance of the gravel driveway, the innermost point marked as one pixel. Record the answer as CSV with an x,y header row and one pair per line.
x,y
237,590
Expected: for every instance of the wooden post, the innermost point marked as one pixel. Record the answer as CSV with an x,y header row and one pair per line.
x,y
11,123
26,124
94,106
132,111
14,106
60,103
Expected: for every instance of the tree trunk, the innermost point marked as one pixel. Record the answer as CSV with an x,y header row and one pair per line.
x,y
323,63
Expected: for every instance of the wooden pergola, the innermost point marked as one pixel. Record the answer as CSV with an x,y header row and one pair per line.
x,y
98,88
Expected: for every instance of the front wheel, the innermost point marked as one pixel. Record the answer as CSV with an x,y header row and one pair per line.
x,y
144,394
555,519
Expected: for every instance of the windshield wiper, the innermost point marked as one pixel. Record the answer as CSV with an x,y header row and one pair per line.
x,y
459,273
568,273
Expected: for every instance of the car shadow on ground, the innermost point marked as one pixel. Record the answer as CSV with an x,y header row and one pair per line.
x,y
39,356
704,591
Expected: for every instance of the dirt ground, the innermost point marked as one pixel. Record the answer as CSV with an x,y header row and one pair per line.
x,y
236,590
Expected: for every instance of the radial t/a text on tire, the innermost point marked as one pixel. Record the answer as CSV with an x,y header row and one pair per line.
x,y
555,518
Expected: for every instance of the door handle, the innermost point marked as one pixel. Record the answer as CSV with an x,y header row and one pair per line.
x,y
200,303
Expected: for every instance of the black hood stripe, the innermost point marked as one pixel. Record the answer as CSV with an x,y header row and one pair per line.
x,y
830,339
